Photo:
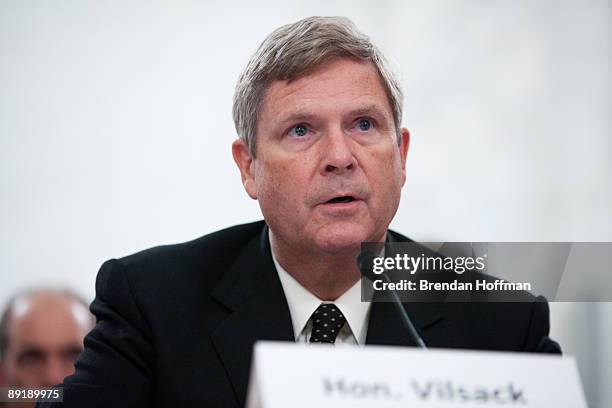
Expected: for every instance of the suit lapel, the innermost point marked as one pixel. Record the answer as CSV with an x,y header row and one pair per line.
x,y
258,308
385,326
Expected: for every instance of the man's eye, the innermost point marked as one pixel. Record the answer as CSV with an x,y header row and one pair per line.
x,y
31,358
298,131
364,125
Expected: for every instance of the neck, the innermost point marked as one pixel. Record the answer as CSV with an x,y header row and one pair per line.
x,y
326,274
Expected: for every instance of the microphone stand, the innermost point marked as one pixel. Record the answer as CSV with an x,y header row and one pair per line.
x,y
364,262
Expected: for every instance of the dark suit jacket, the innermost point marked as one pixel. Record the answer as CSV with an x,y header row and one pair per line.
x,y
176,324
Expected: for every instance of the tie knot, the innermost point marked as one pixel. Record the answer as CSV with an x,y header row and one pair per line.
x,y
327,321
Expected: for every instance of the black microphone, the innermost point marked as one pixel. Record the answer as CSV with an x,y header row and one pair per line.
x,y
365,263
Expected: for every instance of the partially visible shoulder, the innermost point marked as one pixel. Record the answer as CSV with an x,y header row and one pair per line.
x,y
490,319
496,294
206,257
217,243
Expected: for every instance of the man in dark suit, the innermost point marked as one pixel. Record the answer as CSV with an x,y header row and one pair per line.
x,y
322,149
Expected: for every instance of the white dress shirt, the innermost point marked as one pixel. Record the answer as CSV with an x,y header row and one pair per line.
x,y
302,304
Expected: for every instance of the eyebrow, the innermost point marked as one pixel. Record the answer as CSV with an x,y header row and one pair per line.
x,y
30,351
300,116
31,347
306,115
368,109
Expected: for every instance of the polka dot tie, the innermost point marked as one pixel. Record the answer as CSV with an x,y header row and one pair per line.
x,y
327,321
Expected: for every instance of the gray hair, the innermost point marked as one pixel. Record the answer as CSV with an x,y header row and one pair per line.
x,y
295,49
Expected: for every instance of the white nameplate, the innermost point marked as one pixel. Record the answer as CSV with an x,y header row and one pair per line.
x,y
293,375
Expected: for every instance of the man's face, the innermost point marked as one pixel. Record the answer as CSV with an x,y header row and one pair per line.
x,y
329,170
45,335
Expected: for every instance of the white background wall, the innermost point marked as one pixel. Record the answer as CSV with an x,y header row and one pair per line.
x,y
115,130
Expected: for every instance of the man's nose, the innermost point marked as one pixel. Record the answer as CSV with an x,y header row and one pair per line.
x,y
56,370
338,155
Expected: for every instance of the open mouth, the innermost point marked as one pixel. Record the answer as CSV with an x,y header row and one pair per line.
x,y
342,199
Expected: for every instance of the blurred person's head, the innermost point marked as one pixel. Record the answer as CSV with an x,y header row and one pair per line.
x,y
41,335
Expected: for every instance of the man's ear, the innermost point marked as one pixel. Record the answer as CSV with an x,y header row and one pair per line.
x,y
404,145
245,164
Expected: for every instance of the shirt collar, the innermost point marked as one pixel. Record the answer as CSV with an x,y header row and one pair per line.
x,y
302,304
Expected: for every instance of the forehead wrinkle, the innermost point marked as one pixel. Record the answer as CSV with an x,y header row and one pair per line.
x,y
323,73
314,92
281,95
364,108
308,96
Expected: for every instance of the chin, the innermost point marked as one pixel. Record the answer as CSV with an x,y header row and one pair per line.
x,y
342,237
